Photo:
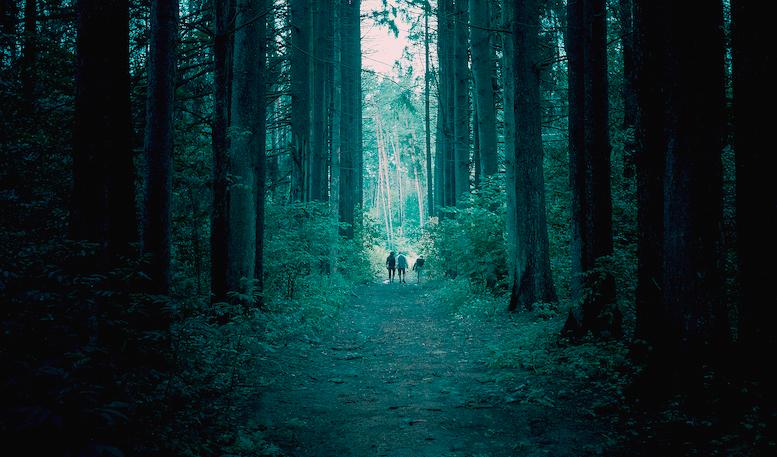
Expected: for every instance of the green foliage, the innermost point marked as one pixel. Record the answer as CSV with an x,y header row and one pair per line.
x,y
469,240
302,241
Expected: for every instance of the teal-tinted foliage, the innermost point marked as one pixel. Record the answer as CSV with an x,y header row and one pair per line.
x,y
469,239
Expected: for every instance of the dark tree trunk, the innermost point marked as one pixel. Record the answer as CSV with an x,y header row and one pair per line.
x,y
508,83
103,206
159,140
589,153
350,136
482,71
246,148
219,240
445,37
695,122
461,133
321,73
532,279
650,42
301,27
756,199
259,149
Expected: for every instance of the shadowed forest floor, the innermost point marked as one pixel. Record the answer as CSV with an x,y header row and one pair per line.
x,y
398,374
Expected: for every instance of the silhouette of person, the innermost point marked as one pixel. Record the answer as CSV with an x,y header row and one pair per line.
x,y
401,267
418,266
391,262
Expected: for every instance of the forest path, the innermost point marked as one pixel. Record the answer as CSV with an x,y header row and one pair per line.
x,y
398,374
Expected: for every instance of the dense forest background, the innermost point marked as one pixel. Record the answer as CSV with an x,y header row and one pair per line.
x,y
185,185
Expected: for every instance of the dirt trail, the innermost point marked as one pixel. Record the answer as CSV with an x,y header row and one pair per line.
x,y
398,375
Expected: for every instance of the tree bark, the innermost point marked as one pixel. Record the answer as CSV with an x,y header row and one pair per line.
x,y
756,223
350,137
301,25
532,279
158,144
322,51
482,69
695,122
650,155
427,119
246,148
219,224
589,152
461,133
445,46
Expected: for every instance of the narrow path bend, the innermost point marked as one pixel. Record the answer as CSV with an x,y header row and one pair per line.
x,y
398,375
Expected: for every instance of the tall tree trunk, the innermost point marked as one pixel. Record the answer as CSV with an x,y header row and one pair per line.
x,y
158,144
589,152
322,50
274,86
246,149
532,279
461,134
337,117
445,36
650,156
427,119
219,241
756,223
103,207
482,72
259,118
350,137
508,83
301,26
695,122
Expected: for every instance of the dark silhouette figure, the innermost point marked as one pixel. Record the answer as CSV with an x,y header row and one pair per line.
x,y
401,267
418,267
391,263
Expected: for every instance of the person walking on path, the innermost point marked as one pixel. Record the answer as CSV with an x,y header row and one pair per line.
x,y
391,262
418,266
402,267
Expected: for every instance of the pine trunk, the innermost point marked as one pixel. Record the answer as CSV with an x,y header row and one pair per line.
x,y
532,279
461,133
300,73
589,153
756,223
159,141
482,71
